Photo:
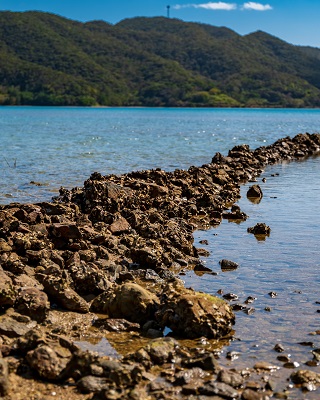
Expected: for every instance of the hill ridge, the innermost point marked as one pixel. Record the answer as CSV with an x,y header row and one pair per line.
x,y
46,59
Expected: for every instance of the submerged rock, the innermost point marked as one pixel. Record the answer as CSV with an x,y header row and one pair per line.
x,y
228,265
260,229
255,191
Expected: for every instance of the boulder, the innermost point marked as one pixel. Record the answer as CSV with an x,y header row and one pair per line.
x,y
129,300
194,314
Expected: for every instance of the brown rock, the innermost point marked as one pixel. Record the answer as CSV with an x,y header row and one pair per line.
x,y
7,291
33,302
305,376
260,229
66,231
162,350
15,325
228,265
129,301
120,225
49,361
255,192
58,290
193,314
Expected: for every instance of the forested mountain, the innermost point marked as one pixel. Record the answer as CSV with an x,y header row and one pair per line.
x,y
49,60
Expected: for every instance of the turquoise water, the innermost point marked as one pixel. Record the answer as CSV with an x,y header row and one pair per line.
x,y
63,146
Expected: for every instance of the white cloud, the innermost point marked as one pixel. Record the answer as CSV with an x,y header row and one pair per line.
x,y
209,6
251,5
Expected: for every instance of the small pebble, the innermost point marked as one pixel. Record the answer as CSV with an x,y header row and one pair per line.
x,y
249,311
279,348
230,296
265,366
250,299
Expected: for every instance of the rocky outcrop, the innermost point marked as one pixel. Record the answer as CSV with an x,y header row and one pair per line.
x,y
115,246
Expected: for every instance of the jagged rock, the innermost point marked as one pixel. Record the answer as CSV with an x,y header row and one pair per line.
x,y
15,325
59,291
7,291
4,246
120,225
88,278
33,302
206,362
91,384
260,229
49,361
213,388
193,314
232,378
129,301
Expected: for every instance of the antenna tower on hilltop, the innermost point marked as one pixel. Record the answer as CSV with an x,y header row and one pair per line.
x,y
168,11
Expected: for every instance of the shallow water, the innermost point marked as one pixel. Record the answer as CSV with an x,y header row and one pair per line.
x,y
287,263
55,147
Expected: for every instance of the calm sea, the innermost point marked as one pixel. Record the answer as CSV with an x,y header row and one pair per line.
x,y
63,146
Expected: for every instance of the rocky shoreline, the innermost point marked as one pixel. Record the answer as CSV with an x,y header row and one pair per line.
x,y
103,261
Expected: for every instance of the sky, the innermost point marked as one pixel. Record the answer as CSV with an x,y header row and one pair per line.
x,y
295,21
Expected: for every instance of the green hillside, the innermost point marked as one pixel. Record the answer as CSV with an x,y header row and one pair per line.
x,y
49,60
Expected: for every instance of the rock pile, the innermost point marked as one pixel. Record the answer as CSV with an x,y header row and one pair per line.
x,y
114,247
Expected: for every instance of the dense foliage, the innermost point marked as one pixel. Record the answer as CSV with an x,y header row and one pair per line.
x,y
49,60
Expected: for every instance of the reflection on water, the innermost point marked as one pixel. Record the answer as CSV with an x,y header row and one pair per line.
x,y
100,346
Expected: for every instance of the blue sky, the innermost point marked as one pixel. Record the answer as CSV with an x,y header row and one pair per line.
x,y
295,21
